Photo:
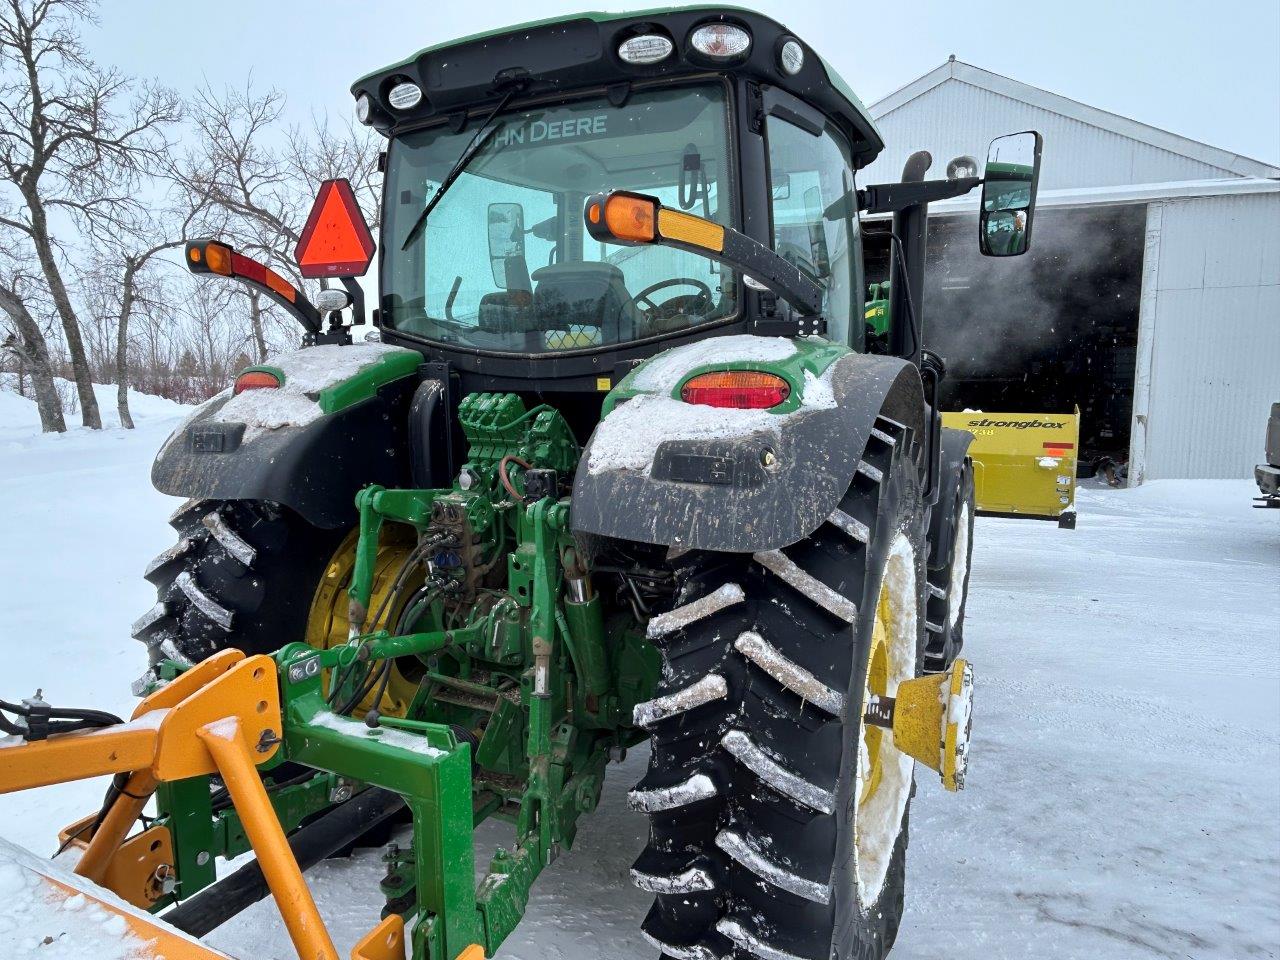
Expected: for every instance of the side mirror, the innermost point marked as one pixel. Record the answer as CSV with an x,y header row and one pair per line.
x,y
506,238
1009,194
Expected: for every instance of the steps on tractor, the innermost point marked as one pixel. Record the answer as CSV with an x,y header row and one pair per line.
x,y
472,694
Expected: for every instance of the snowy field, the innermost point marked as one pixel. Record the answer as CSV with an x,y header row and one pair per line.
x,y
1124,797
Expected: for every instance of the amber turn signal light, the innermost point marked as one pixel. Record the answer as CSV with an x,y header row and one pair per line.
x,y
626,218
631,218
209,256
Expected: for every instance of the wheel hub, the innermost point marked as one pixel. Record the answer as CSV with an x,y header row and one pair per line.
x,y
328,623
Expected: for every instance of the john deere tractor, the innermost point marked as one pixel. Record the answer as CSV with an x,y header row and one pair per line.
x,y
618,464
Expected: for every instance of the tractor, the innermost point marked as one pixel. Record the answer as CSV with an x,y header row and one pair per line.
x,y
619,462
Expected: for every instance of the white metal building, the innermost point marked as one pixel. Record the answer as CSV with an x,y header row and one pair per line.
x,y
1203,333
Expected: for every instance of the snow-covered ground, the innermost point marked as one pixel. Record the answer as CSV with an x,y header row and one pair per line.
x,y
1124,796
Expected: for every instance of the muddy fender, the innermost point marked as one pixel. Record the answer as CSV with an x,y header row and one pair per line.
x,y
340,421
701,478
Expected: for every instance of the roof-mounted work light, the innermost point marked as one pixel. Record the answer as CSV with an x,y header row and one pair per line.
x,y
721,41
645,48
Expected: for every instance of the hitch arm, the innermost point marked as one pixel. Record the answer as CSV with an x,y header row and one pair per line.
x,y
221,717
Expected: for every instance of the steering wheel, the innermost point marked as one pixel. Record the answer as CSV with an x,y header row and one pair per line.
x,y
656,310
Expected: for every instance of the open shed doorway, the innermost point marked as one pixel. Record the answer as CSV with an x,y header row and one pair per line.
x,y
1045,332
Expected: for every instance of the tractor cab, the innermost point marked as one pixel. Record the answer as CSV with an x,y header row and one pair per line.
x,y
720,114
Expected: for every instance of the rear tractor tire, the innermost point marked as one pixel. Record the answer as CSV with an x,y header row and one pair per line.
x,y
948,586
243,574
778,817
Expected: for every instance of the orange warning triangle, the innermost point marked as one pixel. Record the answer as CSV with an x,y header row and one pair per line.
x,y
336,241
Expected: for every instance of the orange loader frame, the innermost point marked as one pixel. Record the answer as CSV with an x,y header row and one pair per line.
x,y
221,717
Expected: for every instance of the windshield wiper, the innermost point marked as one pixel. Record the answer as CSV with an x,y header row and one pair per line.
x,y
483,135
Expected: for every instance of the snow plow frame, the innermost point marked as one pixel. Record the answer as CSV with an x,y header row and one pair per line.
x,y
232,715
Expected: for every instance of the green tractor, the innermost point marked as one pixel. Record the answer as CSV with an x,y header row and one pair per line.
x,y
621,465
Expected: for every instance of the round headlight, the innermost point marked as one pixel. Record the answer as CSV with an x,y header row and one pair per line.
x,y
721,41
791,57
646,48
405,96
364,108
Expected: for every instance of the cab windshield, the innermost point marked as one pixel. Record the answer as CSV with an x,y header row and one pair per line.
x,y
505,264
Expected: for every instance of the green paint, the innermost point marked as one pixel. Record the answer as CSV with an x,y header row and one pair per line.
x,y
876,311
548,682
393,365
292,804
185,808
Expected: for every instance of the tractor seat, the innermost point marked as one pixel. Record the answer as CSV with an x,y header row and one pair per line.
x,y
580,296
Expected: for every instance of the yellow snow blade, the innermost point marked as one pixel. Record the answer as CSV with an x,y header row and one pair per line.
x,y
57,907
1024,464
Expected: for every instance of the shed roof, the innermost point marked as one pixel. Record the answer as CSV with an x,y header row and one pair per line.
x,y
986,96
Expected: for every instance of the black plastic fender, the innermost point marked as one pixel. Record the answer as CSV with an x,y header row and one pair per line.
x,y
955,450
722,494
315,469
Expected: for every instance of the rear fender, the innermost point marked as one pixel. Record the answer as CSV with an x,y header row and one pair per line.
x,y
311,445
693,477
955,451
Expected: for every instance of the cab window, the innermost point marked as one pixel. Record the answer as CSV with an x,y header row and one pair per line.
x,y
505,264
808,173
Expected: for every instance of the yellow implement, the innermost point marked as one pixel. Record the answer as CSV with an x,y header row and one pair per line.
x,y
59,908
1024,464
222,716
931,720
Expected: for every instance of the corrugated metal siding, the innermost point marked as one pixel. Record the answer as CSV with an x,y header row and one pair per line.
x,y
1215,338
956,118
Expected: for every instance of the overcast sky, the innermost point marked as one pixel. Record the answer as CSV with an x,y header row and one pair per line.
x,y
1172,64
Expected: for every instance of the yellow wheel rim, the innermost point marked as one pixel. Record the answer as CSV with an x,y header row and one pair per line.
x,y
871,756
884,773
329,626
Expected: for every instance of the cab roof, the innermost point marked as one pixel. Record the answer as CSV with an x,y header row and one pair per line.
x,y
580,51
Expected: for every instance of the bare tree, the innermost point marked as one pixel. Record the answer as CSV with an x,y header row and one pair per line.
x,y
74,141
134,254
263,178
330,151
26,340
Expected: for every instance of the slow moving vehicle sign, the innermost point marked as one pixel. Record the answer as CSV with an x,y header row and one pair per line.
x,y
336,241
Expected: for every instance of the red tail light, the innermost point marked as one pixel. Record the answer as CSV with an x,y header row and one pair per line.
x,y
737,389
256,380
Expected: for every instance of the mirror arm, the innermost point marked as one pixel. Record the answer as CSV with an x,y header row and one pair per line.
x,y
893,197
216,258
684,231
762,264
